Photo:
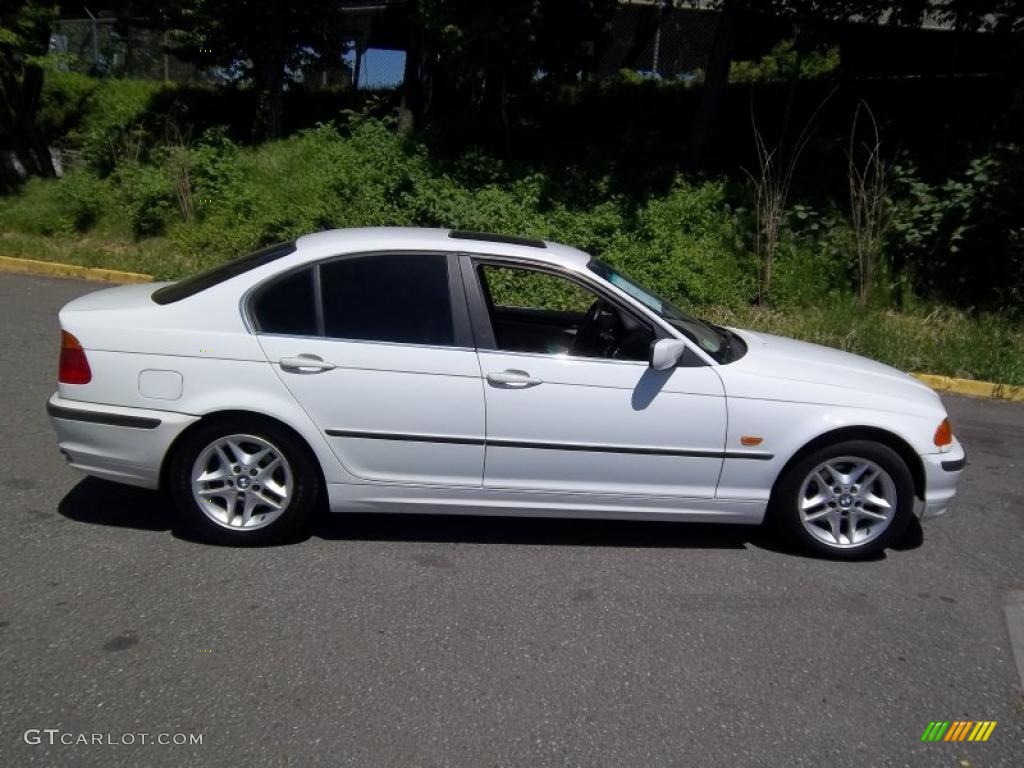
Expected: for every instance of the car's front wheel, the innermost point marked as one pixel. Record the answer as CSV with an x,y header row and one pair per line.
x,y
243,482
846,501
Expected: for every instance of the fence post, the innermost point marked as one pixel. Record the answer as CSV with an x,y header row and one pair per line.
x,y
95,41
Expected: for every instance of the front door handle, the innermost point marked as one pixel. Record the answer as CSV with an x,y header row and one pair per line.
x,y
305,364
513,378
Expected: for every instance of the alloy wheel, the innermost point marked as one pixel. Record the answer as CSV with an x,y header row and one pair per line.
x,y
847,501
242,482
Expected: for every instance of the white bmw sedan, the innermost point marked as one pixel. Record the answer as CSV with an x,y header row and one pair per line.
x,y
418,370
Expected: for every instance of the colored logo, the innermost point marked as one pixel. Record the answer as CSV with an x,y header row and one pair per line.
x,y
958,730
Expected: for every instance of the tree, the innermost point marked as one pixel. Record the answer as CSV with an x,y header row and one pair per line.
x,y
263,41
24,42
467,53
808,19
1004,20
716,81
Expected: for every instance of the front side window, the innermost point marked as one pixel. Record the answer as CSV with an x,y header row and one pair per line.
x,y
400,298
536,311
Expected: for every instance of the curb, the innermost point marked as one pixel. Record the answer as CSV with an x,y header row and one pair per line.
x,y
55,269
972,388
946,384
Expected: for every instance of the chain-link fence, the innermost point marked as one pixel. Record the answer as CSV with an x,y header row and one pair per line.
x,y
102,46
653,38
672,40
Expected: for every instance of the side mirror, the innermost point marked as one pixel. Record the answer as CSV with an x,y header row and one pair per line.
x,y
665,353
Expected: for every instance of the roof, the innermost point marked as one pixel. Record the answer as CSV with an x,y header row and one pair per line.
x,y
341,241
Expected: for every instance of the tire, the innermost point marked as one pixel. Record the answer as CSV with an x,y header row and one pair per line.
x,y
244,481
869,488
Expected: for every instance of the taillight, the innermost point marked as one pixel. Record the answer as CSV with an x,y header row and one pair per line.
x,y
74,367
944,434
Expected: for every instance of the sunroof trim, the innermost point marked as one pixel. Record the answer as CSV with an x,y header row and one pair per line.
x,y
489,237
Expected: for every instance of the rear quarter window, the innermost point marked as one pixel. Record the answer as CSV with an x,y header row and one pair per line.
x,y
287,305
190,286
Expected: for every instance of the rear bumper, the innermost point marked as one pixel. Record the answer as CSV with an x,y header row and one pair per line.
x,y
941,477
126,445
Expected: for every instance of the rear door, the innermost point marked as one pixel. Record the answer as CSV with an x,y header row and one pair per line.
x,y
377,350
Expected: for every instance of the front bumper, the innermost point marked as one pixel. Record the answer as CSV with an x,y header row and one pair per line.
x,y
941,476
126,445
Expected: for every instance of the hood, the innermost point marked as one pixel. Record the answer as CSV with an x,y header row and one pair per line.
x,y
121,297
814,373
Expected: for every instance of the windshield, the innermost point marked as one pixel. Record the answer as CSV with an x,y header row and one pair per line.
x,y
715,341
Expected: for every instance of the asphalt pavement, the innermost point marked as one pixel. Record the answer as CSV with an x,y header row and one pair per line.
x,y
433,641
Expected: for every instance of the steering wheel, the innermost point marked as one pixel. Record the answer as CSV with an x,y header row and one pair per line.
x,y
593,340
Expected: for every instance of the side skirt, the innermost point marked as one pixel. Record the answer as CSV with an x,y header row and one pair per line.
x,y
518,503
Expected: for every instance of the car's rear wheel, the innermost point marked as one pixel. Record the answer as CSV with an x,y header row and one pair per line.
x,y
243,482
846,501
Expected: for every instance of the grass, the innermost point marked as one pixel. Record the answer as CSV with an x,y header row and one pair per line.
x,y
941,340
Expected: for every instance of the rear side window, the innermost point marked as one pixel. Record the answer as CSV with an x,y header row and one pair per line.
x,y
388,297
287,305
211,277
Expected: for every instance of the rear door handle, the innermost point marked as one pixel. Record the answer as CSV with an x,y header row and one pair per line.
x,y
305,364
513,378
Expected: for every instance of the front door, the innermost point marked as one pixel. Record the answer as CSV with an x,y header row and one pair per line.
x,y
572,404
386,368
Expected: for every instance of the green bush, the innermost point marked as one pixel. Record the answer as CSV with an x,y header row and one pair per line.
x,y
691,242
98,120
36,208
686,243
75,203
67,99
147,198
315,180
962,240
814,265
687,246
784,61
84,199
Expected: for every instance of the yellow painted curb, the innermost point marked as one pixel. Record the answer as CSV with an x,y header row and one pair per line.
x,y
973,388
55,269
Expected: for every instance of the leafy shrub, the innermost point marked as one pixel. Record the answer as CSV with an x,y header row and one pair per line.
x,y
146,197
84,199
784,61
94,118
963,240
67,99
316,180
75,203
814,264
688,247
685,243
37,208
690,242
